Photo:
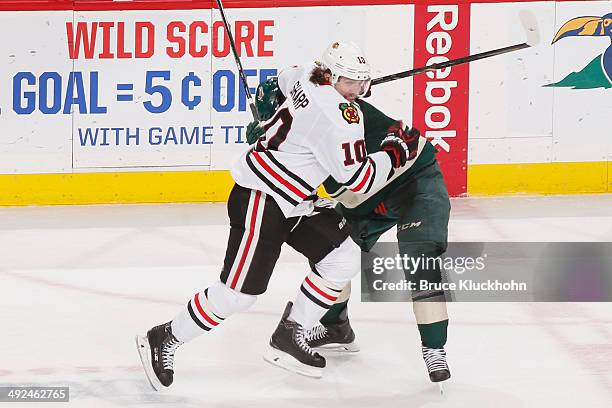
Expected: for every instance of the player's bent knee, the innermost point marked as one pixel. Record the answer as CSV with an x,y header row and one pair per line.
x,y
341,264
229,301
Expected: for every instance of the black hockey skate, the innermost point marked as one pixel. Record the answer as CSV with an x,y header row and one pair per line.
x,y
338,337
435,360
156,351
289,349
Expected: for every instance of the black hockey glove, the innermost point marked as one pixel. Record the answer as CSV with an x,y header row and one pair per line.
x,y
410,136
396,149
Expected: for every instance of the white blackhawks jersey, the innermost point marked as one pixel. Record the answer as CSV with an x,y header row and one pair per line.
x,y
314,133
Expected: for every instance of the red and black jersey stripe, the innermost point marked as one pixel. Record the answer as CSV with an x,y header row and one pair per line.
x,y
362,180
275,175
294,176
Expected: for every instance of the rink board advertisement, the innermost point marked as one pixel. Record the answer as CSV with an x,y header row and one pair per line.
x,y
133,98
149,101
440,102
143,89
538,118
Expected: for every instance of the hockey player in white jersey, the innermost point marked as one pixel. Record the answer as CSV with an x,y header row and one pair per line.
x,y
415,201
317,132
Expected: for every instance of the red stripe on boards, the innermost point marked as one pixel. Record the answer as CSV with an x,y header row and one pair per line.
x,y
103,5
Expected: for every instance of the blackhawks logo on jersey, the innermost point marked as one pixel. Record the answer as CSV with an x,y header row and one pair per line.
x,y
349,112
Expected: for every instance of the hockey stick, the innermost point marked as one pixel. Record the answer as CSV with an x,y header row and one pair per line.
x,y
238,63
530,25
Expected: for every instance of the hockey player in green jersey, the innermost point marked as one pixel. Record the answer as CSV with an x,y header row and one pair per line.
x,y
414,200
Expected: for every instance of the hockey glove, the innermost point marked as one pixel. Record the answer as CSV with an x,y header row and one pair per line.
x,y
410,136
396,149
254,132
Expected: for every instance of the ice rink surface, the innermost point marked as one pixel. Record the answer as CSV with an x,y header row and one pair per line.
x,y
77,283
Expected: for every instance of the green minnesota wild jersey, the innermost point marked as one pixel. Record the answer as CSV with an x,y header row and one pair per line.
x,y
376,124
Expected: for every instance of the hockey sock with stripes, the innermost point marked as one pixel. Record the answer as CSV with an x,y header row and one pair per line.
x,y
207,309
198,317
316,296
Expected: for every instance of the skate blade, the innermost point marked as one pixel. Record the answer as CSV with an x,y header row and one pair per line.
x,y
441,388
339,348
144,351
289,363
